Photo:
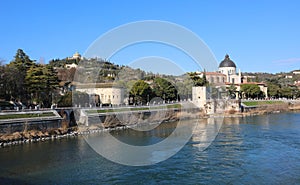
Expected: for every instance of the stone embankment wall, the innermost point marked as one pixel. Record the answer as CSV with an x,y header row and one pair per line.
x,y
9,126
27,125
103,121
266,109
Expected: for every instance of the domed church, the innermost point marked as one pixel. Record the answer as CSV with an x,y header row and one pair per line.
x,y
227,75
228,68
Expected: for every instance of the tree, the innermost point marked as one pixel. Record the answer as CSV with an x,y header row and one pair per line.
x,y
74,98
22,64
164,89
2,81
231,91
198,81
251,90
286,92
41,81
141,91
273,90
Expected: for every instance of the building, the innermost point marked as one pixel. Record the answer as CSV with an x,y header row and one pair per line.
x,y
215,78
69,66
228,68
226,76
107,92
226,73
296,72
76,55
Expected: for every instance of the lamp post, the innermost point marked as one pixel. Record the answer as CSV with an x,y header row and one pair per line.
x,y
148,99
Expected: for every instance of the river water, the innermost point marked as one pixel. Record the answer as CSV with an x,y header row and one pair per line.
x,y
252,150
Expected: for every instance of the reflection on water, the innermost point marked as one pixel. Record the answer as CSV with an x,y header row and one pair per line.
x,y
143,147
205,132
253,150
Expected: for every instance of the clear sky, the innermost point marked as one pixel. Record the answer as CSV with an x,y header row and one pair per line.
x,y
259,35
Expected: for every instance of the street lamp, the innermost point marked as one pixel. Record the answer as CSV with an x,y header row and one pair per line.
x,y
148,99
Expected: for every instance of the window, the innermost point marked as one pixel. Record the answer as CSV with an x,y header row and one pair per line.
x,y
232,80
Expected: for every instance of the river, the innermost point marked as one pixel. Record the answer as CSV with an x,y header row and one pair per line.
x,y
253,150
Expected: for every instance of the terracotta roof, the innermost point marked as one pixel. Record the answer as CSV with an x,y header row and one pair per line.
x,y
213,73
256,83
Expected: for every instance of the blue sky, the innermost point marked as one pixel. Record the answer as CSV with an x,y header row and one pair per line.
x,y
259,35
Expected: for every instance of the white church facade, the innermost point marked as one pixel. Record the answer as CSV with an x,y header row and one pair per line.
x,y
226,76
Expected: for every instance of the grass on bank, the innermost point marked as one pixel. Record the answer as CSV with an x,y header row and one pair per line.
x,y
258,103
173,106
30,115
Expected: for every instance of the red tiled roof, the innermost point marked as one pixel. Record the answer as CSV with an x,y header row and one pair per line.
x,y
256,83
213,73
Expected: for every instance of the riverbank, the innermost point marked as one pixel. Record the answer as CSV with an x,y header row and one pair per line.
x,y
117,122
111,122
33,136
266,109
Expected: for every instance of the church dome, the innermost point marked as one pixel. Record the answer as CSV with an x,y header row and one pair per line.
x,y
227,62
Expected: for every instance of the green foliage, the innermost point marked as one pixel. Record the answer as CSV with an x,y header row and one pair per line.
x,y
273,90
16,73
231,91
75,98
257,103
251,90
198,81
60,63
277,90
26,81
65,100
41,80
286,92
30,115
164,89
21,61
184,87
141,90
81,98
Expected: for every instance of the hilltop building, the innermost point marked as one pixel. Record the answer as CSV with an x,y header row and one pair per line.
x,y
76,55
69,66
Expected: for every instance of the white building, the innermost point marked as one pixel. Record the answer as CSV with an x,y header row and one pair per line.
x,y
226,73
228,68
296,72
108,93
199,96
69,66
215,78
76,55
225,76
